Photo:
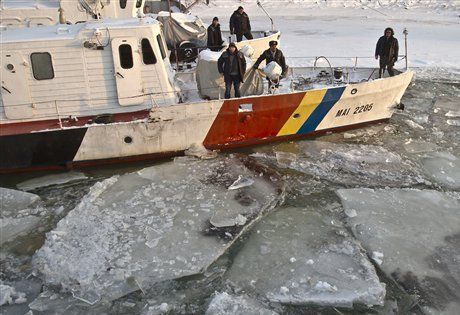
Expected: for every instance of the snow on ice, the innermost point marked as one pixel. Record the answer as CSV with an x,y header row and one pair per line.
x,y
152,225
414,236
297,257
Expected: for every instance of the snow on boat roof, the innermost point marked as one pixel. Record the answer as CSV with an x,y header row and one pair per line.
x,y
29,4
63,31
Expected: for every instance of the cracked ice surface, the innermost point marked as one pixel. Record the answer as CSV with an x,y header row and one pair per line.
x,y
350,164
148,226
418,234
296,257
48,180
226,304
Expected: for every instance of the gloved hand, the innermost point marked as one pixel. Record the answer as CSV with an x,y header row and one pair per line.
x,y
231,33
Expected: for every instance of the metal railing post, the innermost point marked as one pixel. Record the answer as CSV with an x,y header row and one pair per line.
x,y
405,32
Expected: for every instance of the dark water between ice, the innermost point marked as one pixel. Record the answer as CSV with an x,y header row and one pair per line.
x,y
412,161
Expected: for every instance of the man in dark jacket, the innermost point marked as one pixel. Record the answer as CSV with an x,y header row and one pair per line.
x,y
233,66
387,49
273,54
214,36
240,25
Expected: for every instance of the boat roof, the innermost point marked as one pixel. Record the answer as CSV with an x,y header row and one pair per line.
x,y
64,31
29,4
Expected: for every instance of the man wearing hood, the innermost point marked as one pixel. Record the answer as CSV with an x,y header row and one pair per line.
x,y
232,65
240,25
387,49
214,35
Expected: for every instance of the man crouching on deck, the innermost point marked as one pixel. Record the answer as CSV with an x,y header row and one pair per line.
x,y
233,66
276,55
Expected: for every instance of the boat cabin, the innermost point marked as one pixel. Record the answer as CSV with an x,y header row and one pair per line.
x,y
81,70
29,13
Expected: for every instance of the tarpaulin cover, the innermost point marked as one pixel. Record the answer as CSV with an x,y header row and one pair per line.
x,y
179,27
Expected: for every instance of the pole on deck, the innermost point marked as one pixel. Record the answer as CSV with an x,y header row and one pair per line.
x,y
405,32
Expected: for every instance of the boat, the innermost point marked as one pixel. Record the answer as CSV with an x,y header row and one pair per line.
x,y
104,92
32,13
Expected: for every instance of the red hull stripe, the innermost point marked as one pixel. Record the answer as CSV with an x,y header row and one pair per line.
x,y
266,119
53,124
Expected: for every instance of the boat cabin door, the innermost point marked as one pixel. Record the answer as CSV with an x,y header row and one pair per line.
x,y
16,98
127,64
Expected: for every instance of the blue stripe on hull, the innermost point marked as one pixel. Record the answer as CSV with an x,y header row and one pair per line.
x,y
330,98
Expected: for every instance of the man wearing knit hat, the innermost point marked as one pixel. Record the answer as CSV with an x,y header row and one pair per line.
x,y
240,25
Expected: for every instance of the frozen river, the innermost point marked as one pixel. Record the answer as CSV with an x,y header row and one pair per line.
x,y
361,222
357,222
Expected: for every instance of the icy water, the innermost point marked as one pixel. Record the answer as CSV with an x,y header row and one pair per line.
x,y
365,221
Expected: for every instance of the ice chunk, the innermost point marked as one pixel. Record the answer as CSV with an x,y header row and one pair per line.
x,y
55,179
144,220
199,151
226,304
12,200
413,124
419,146
453,122
447,103
418,230
241,182
9,295
444,168
328,266
453,113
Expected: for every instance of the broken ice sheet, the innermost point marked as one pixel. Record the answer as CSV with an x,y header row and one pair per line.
x,y
226,304
295,257
416,233
144,227
48,180
444,168
350,164
20,213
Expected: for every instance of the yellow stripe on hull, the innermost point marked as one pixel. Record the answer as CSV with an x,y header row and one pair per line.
x,y
310,101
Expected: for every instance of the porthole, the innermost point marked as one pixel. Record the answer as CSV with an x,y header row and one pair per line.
x,y
296,115
354,91
10,66
128,140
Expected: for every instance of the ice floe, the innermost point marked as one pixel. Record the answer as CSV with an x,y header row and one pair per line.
x,y
144,227
414,236
12,200
297,257
226,304
444,168
9,295
48,180
350,164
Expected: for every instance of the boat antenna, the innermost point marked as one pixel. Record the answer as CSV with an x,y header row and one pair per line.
x,y
405,32
265,11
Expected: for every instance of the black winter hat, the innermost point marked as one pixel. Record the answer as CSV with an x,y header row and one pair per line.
x,y
232,45
215,19
240,8
272,42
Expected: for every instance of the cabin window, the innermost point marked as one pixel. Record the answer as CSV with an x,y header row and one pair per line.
x,y
138,3
42,66
123,3
126,56
148,56
162,48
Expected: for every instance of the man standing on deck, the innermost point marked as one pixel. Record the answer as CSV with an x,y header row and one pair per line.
x,y
276,55
387,49
240,25
232,65
214,35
